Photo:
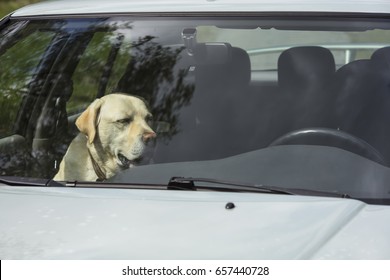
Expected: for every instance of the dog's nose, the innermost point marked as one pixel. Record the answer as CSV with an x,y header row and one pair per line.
x,y
148,135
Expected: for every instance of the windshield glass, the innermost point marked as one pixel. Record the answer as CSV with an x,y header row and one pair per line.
x,y
289,102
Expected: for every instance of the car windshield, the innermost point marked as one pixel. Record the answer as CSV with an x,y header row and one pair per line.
x,y
294,102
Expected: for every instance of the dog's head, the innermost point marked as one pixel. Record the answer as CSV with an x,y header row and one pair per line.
x,y
117,126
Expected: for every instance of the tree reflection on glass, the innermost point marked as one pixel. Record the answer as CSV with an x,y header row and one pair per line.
x,y
154,74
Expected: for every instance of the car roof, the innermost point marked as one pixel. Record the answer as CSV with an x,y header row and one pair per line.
x,y
79,7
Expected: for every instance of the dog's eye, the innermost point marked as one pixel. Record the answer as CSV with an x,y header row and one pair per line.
x,y
125,120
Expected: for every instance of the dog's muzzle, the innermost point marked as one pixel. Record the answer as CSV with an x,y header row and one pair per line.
x,y
124,161
135,153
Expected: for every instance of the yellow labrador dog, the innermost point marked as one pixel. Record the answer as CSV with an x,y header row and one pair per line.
x,y
113,130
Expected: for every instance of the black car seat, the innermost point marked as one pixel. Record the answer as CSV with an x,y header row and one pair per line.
x,y
211,127
352,88
362,103
304,75
381,67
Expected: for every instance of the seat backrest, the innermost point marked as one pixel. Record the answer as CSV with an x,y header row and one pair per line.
x,y
381,57
221,79
381,68
219,66
304,73
301,70
222,73
352,86
362,102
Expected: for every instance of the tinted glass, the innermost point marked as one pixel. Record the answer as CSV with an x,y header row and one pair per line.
x,y
286,101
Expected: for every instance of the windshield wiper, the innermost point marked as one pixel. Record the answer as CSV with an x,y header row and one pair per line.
x,y
175,183
188,183
28,182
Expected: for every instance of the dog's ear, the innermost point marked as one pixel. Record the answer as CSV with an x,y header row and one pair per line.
x,y
87,121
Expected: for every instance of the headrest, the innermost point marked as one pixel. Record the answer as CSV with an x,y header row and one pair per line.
x,y
241,65
302,68
222,65
382,57
355,80
353,85
355,68
212,53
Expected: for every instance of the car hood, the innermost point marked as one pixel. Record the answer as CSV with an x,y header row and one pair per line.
x,y
62,223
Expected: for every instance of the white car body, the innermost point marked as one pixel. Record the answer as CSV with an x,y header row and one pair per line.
x,y
143,224
74,7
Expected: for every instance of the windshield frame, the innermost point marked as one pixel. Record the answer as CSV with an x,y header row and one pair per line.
x,y
268,21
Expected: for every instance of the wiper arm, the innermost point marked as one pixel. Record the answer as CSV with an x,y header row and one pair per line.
x,y
188,183
28,182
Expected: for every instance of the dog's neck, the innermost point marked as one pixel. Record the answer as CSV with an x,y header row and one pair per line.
x,y
99,172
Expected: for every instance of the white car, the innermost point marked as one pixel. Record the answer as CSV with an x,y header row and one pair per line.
x,y
266,133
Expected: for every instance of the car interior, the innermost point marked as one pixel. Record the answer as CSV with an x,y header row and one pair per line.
x,y
310,103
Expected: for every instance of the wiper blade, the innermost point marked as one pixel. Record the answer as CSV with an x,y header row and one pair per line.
x,y
28,182
188,183
175,183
